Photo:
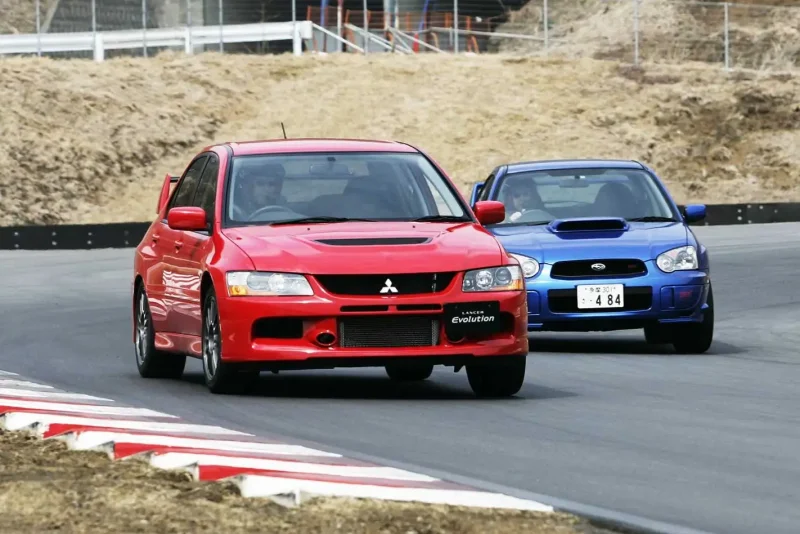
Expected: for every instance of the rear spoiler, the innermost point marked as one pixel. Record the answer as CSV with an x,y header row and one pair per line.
x,y
166,189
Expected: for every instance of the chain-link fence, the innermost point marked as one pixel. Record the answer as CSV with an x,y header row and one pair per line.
x,y
729,34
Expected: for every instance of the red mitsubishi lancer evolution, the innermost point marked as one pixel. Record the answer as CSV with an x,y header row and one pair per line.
x,y
322,253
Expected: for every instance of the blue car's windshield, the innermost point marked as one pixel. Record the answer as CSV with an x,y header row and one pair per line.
x,y
538,197
326,187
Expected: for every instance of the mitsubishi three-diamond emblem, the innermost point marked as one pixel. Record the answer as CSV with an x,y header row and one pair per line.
x,y
388,288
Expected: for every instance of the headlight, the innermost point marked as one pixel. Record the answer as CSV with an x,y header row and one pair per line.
x,y
529,266
505,278
266,284
677,259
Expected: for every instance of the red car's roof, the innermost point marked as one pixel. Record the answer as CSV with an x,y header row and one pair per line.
x,y
274,146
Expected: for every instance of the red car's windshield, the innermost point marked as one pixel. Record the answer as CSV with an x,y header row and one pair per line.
x,y
266,189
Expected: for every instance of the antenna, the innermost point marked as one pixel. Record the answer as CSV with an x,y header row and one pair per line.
x,y
284,130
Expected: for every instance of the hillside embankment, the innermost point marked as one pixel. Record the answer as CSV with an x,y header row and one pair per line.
x,y
90,142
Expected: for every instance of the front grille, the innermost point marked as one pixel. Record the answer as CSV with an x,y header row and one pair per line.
x,y
583,268
566,300
385,284
389,331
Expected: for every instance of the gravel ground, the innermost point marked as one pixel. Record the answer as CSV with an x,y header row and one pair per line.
x,y
46,488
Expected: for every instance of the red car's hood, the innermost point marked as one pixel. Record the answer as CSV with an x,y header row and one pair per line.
x,y
296,248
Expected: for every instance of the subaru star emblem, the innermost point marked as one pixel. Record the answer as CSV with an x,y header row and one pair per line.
x,y
598,267
388,288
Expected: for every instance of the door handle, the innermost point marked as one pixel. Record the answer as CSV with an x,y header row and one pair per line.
x,y
156,237
178,245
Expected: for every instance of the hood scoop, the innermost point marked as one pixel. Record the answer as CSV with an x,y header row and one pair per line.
x,y
589,224
373,241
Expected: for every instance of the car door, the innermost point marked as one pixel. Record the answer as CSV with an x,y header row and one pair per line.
x,y
175,276
190,249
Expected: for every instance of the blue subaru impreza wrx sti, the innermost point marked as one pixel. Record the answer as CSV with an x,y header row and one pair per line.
x,y
603,246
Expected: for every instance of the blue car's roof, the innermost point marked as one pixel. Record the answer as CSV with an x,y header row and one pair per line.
x,y
544,165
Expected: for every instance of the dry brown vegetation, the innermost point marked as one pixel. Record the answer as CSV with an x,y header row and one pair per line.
x,y
17,16
46,488
91,142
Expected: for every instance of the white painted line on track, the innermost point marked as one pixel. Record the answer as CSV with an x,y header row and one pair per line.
x,y
92,409
20,420
7,373
261,486
94,439
177,460
12,392
10,382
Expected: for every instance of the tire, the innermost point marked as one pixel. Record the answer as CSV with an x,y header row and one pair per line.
x,y
658,334
696,338
409,372
500,376
220,377
151,362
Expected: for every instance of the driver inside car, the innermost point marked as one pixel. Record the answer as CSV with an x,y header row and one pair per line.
x,y
259,187
521,197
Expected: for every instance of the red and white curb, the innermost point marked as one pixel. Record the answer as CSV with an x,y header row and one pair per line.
x,y
260,468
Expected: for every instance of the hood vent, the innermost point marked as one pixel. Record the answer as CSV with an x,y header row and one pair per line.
x,y
589,224
374,241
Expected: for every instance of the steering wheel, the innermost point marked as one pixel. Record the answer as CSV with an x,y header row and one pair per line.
x,y
534,216
267,209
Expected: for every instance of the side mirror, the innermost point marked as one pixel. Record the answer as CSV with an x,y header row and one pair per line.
x,y
476,190
190,218
166,189
490,211
694,212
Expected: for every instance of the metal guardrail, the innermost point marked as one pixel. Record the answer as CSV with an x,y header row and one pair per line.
x,y
186,37
127,235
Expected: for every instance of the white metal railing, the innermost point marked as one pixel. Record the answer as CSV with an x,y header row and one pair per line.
x,y
187,37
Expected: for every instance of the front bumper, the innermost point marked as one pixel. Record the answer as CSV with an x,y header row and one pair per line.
x,y
311,332
655,297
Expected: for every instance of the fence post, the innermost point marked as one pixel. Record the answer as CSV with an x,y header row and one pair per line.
x,y
395,24
144,28
455,25
635,32
189,45
99,52
295,41
546,29
38,31
366,28
219,9
727,38
94,18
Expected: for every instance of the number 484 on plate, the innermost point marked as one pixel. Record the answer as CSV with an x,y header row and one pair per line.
x,y
600,296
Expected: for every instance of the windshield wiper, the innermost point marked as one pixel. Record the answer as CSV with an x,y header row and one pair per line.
x,y
311,220
441,218
653,218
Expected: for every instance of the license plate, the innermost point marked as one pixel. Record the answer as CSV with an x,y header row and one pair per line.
x,y
601,296
471,318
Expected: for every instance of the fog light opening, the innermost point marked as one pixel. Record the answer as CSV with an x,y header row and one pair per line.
x,y
455,340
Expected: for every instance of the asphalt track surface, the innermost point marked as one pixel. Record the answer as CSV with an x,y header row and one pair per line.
x,y
709,442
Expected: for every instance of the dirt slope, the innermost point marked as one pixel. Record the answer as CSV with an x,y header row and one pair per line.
x,y
760,36
88,142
